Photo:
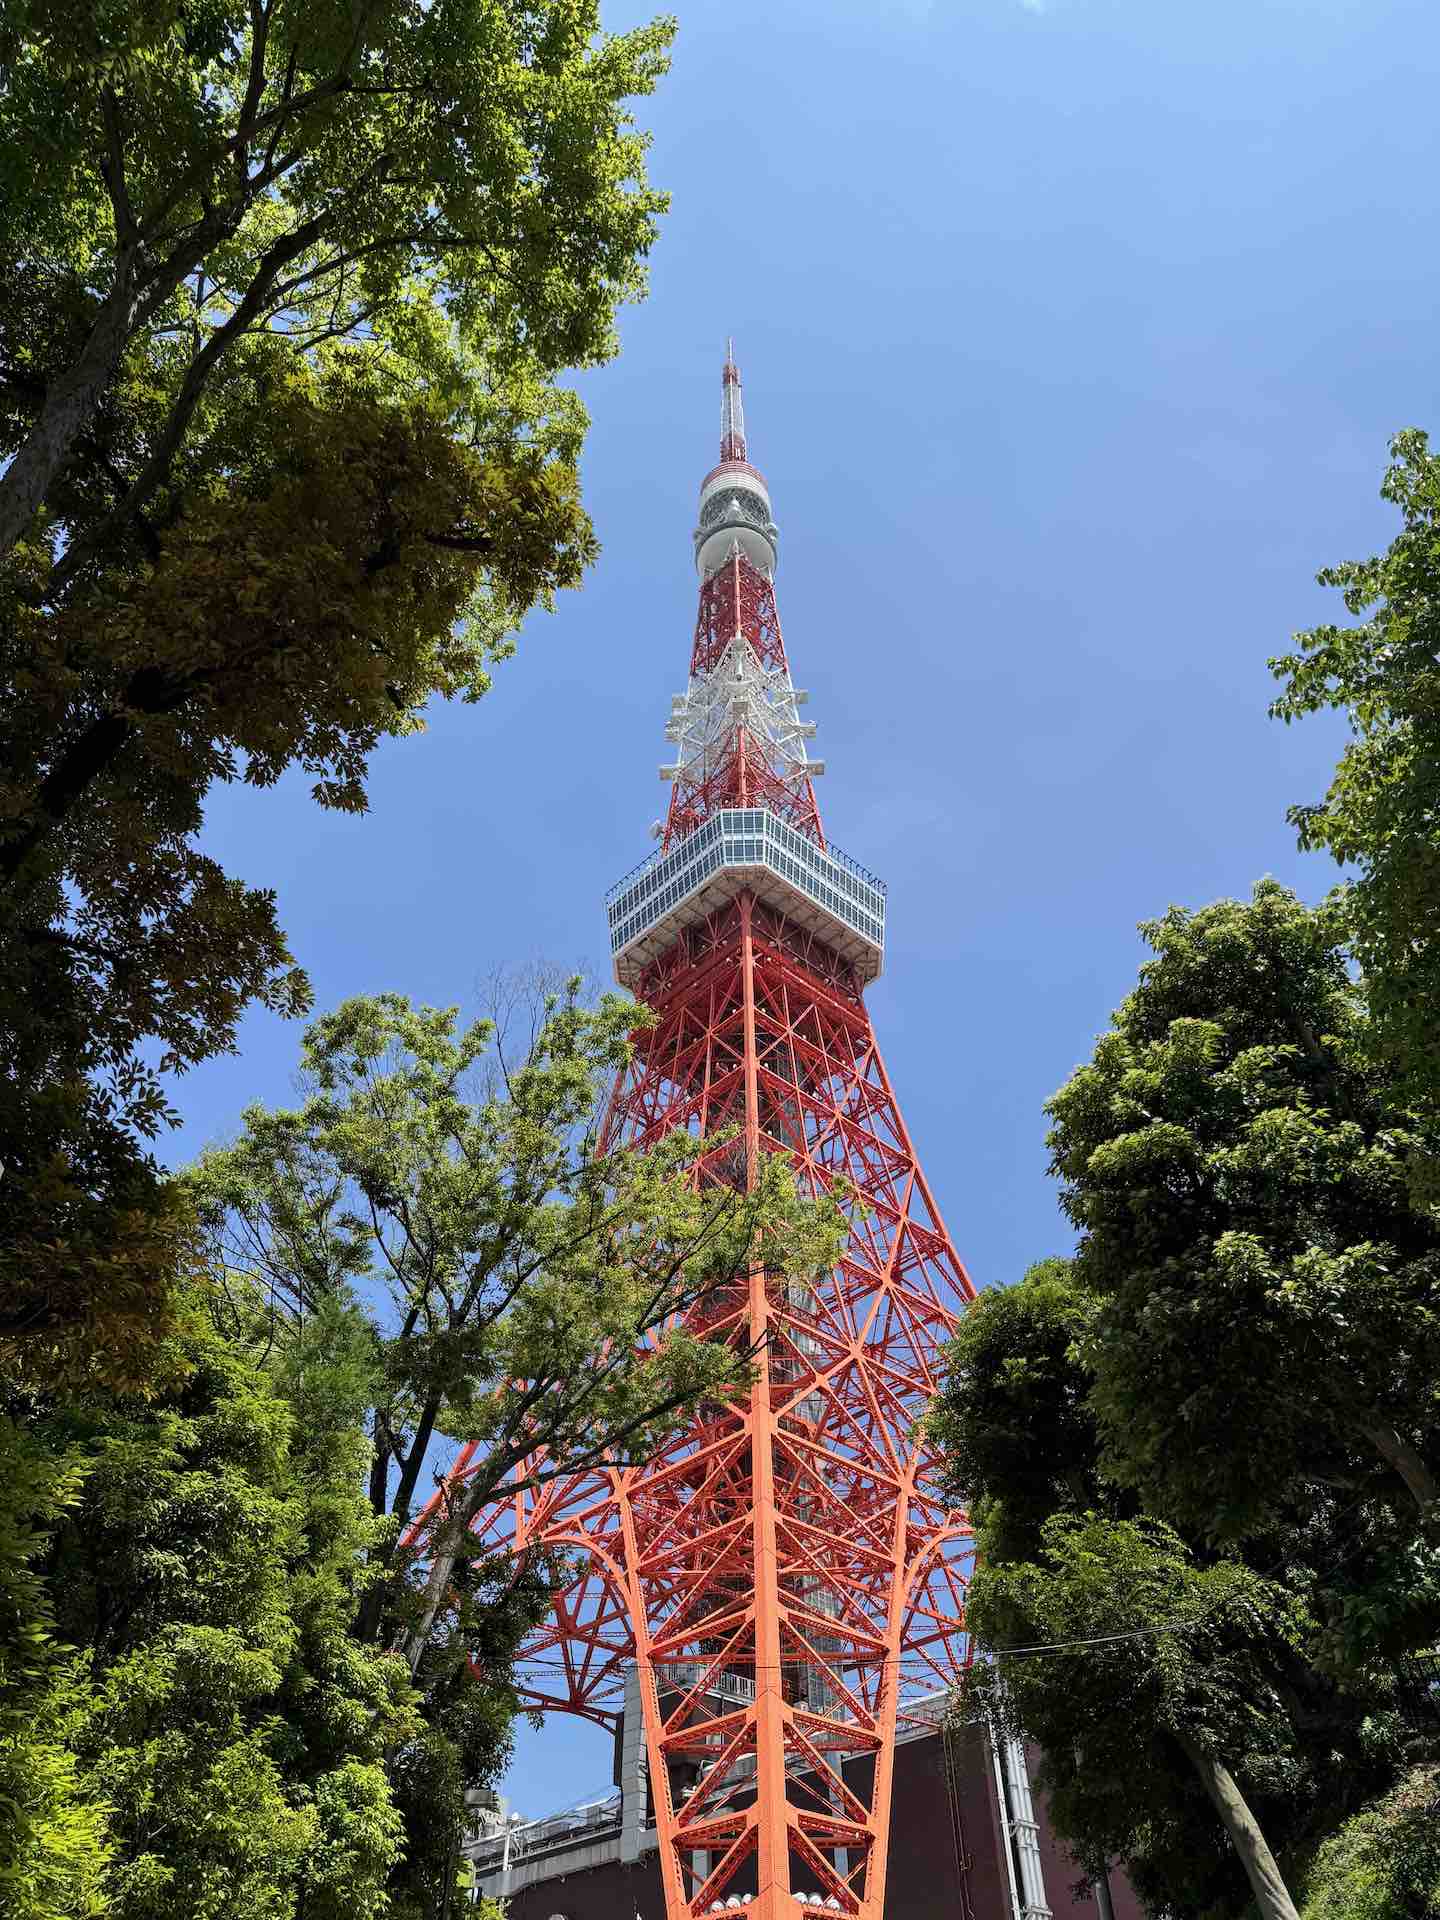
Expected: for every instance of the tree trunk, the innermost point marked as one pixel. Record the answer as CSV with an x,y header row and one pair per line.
x,y
1397,1452
412,1647
1272,1896
69,408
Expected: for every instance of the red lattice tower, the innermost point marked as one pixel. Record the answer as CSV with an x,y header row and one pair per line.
x,y
784,1577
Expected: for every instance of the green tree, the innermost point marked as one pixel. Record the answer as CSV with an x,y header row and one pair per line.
x,y
1183,1685
1255,1680
54,1851
1264,1289
1012,1418
460,177
290,286
297,613
232,1728
1381,816
1175,1689
1384,1864
521,1293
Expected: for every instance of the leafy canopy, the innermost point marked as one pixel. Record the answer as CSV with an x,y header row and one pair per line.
x,y
1183,1665
231,1728
1199,1452
290,288
1381,816
1264,1289
1384,1863
1012,1420
521,1295
523,1289
456,181
54,1851
1149,1669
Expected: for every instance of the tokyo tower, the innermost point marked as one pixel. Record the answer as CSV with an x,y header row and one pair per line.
x,y
783,1581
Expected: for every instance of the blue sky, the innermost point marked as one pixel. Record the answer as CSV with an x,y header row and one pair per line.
x,y
1073,334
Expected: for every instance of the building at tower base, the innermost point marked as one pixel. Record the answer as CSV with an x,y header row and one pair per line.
x,y
969,1840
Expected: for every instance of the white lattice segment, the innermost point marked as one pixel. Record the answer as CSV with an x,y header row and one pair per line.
x,y
739,691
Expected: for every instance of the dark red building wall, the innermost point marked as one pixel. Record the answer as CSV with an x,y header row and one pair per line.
x,y
1062,1871
615,1892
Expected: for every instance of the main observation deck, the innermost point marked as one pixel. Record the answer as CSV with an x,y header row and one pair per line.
x,y
753,849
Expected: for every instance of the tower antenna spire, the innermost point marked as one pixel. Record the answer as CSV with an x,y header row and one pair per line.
x,y
732,409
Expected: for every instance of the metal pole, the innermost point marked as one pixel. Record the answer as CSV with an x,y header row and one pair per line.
x,y
1102,1896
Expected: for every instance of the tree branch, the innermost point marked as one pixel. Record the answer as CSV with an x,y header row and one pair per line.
x,y
153,473
112,170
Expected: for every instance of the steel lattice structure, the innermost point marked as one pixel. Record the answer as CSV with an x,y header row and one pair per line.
x,y
784,1577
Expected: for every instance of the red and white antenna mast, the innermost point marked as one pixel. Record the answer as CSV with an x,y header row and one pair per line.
x,y
732,410
782,1585
738,730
